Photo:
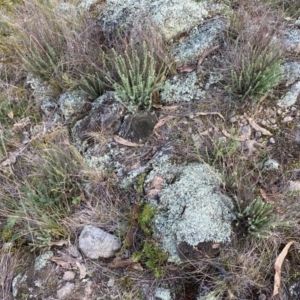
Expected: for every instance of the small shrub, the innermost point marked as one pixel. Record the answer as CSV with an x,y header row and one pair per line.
x,y
257,218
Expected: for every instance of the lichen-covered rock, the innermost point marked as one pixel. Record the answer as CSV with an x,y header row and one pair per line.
x,y
290,72
95,243
191,207
71,104
172,17
105,116
291,40
200,39
176,16
290,98
183,88
37,278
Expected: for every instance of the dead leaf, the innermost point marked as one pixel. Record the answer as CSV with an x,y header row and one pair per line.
x,y
22,123
215,246
120,263
58,243
124,142
277,267
82,270
137,266
10,114
204,54
161,122
12,157
256,126
267,197
171,107
206,114
155,186
241,139
186,69
66,264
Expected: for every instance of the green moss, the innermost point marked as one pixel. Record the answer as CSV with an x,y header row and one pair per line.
x,y
145,218
152,257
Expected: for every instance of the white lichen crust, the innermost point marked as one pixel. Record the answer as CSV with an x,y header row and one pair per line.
x,y
192,209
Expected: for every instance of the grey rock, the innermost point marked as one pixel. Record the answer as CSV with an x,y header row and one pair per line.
x,y
65,291
68,275
246,131
183,88
291,40
163,294
200,39
37,278
272,140
192,209
95,243
291,72
42,260
172,17
258,134
291,96
270,164
71,104
176,16
287,119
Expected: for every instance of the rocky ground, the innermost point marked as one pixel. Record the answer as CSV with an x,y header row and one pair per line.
x,y
174,177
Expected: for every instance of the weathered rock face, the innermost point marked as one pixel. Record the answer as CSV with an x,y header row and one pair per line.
x,y
191,207
173,17
95,243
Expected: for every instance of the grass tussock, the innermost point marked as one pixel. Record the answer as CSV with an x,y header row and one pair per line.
x,y
254,57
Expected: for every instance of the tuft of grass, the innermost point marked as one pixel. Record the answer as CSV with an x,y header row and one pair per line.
x,y
254,58
36,200
254,71
258,218
291,8
137,77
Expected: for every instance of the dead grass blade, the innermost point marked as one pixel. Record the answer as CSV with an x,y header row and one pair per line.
x,y
206,53
124,142
206,114
256,126
277,267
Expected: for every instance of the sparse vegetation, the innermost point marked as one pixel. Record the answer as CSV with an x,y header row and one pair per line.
x,y
48,192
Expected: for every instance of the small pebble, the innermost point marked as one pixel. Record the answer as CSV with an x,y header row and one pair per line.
x,y
258,134
69,275
264,123
272,140
272,120
287,119
279,111
233,119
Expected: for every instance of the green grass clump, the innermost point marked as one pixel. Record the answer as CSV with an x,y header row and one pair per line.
x,y
137,77
254,70
37,200
258,218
